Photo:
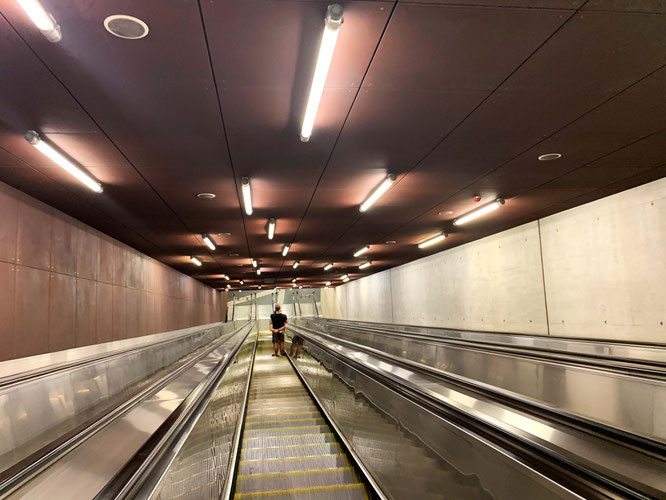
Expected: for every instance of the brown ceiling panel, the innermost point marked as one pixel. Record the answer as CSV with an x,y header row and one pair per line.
x,y
647,6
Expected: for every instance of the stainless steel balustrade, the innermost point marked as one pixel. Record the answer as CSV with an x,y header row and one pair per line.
x,y
38,407
416,401
622,401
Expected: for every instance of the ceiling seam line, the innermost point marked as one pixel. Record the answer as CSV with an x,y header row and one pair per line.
x,y
224,128
448,134
484,175
337,139
71,94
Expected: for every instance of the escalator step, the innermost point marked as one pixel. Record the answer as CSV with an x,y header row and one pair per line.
x,y
293,464
336,492
312,412
259,442
290,451
276,481
286,431
286,422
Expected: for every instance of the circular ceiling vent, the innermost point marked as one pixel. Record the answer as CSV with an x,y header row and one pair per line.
x,y
206,196
127,27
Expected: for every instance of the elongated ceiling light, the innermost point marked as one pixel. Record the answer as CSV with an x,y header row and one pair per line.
x,y
258,271
241,282
226,277
345,280
294,280
328,266
332,23
247,195
328,283
209,242
42,19
361,251
432,241
475,214
271,228
195,261
296,263
377,193
344,277
365,264
285,250
254,262
33,138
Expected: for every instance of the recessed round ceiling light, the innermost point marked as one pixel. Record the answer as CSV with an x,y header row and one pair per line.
x,y
445,212
207,196
224,234
128,27
391,242
550,156
233,255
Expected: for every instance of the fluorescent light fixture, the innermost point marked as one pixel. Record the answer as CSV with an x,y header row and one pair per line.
x,y
474,214
294,280
328,266
228,286
258,271
254,262
195,260
344,277
33,138
296,263
300,286
365,264
328,283
345,280
226,277
285,250
332,23
294,285
432,241
361,251
42,19
241,282
271,228
247,195
259,287
209,243
376,194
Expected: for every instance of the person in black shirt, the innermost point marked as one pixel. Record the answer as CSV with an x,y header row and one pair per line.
x,y
278,326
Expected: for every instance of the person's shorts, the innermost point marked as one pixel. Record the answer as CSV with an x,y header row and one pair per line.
x,y
278,337
297,340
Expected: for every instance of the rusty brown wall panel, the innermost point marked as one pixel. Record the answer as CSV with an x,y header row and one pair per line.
x,y
63,246
86,311
87,251
104,329
34,236
133,269
132,329
31,312
119,264
7,278
62,311
142,313
119,312
105,260
8,227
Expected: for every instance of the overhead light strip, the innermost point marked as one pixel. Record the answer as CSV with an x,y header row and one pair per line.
x,y
332,22
247,195
296,264
208,241
433,241
361,251
377,193
33,138
365,264
41,18
195,261
285,250
328,266
479,212
271,228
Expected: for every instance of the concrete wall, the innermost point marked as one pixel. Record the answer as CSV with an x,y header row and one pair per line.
x,y
64,284
597,271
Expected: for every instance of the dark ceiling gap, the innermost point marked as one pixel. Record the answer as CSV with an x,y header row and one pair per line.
x,y
335,143
82,200
53,74
618,94
224,128
406,172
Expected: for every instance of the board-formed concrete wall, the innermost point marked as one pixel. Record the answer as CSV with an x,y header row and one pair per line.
x,y
598,270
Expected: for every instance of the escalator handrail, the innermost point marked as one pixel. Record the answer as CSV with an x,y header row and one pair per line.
x,y
141,475
425,399
21,472
641,366
31,375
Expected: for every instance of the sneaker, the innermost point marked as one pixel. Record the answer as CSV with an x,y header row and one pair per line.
x,y
273,354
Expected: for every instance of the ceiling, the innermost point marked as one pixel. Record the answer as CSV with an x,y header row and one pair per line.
x,y
457,98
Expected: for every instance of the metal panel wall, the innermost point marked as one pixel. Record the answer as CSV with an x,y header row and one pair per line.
x,y
63,284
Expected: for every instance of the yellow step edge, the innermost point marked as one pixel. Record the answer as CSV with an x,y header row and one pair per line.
x,y
288,428
292,446
242,477
296,491
292,459
290,420
291,436
276,415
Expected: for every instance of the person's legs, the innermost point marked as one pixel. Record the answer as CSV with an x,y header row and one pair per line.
x,y
299,347
292,348
282,349
276,344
